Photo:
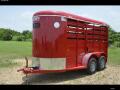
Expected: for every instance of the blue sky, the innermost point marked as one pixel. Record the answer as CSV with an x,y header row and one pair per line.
x,y
20,17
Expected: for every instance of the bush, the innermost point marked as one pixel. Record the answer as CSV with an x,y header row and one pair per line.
x,y
20,38
27,34
7,36
14,38
117,44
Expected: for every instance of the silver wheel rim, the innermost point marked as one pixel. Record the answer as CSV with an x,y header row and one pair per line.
x,y
102,63
92,66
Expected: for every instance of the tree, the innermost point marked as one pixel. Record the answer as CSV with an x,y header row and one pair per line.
x,y
20,38
111,36
7,36
7,33
27,34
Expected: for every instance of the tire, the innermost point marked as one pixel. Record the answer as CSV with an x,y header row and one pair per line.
x,y
92,66
101,63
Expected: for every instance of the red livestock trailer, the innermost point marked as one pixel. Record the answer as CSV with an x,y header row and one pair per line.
x,y
63,42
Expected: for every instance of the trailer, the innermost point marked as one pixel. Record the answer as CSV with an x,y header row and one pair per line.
x,y
62,42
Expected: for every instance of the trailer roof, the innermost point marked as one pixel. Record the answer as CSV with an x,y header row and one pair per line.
x,y
68,15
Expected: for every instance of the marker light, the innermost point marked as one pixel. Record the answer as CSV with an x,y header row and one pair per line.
x,y
36,18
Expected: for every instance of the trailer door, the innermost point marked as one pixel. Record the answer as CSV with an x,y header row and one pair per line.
x,y
71,53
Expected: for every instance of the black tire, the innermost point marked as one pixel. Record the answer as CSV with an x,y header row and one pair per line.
x,y
92,66
101,63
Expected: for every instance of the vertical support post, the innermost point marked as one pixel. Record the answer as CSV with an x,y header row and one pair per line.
x,y
26,62
86,48
106,37
77,42
100,39
26,67
93,36
84,37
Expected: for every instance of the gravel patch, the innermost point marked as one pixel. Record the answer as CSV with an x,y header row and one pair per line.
x,y
110,75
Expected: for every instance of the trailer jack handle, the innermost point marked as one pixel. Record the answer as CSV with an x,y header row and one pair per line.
x,y
26,62
26,66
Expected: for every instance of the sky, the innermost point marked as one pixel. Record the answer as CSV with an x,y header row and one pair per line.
x,y
19,18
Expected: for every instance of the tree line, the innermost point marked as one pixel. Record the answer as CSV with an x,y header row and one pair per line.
x,y
26,35
8,35
114,38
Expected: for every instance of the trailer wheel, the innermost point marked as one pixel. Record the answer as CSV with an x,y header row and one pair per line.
x,y
101,63
92,65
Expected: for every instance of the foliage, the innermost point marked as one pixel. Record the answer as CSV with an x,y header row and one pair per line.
x,y
8,34
114,37
117,44
26,35
20,38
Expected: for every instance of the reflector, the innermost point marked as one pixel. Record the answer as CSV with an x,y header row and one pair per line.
x,y
56,24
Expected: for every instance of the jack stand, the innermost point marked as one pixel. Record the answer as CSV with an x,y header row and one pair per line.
x,y
26,79
26,67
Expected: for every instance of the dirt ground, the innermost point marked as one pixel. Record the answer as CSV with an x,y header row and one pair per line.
x,y
111,75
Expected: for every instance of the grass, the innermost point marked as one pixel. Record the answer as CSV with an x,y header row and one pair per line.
x,y
114,56
8,63
11,50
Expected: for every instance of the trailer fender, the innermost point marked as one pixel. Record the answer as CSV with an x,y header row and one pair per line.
x,y
87,57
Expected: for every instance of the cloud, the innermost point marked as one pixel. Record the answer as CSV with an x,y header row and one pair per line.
x,y
27,14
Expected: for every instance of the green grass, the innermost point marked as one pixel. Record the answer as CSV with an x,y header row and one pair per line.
x,y
114,56
8,63
10,50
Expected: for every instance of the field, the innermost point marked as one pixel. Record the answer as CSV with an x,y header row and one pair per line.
x,y
114,56
12,55
10,50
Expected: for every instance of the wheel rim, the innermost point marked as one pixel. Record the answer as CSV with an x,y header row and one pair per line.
x,y
92,66
102,63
